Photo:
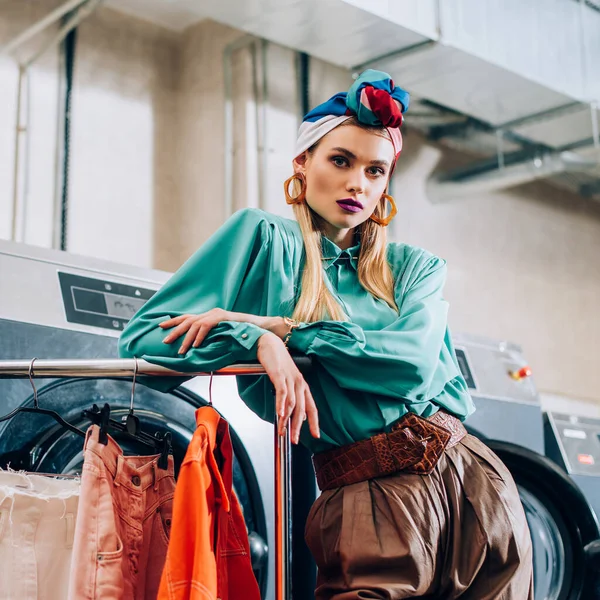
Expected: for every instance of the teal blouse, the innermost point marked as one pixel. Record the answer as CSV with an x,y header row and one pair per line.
x,y
369,371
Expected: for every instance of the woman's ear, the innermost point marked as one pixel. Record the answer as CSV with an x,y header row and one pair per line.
x,y
299,162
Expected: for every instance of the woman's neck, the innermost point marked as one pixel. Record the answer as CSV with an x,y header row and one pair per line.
x,y
342,238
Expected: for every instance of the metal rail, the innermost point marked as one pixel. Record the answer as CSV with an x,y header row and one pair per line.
x,y
128,368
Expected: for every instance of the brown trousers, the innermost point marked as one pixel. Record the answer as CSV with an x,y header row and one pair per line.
x,y
458,532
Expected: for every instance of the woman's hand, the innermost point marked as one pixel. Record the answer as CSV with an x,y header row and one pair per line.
x,y
292,394
197,327
293,398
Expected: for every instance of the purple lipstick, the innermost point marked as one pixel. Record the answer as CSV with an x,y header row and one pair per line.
x,y
350,205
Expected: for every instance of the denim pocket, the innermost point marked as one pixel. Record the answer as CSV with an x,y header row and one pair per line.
x,y
158,542
109,573
162,522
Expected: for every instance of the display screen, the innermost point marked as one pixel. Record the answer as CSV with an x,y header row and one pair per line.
x,y
105,303
465,369
99,302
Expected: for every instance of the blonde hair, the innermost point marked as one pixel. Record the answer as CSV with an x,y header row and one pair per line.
x,y
316,302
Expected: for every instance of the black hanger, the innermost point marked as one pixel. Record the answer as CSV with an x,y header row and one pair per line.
x,y
101,417
130,426
42,411
165,448
131,421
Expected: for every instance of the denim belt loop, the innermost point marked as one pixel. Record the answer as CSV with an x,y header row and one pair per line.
x,y
119,469
88,436
70,529
155,473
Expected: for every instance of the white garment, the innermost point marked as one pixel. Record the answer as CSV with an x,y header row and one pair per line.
x,y
37,521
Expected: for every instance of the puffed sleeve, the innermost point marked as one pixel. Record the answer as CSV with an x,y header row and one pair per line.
x,y
411,359
228,272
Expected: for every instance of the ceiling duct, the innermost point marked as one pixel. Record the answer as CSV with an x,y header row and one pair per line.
x,y
488,176
495,61
527,68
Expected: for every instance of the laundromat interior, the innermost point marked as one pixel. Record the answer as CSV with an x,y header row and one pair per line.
x,y
131,130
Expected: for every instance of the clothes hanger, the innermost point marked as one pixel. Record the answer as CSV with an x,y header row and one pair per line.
x,y
131,421
42,411
101,417
130,426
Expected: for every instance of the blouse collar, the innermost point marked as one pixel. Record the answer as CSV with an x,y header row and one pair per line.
x,y
333,253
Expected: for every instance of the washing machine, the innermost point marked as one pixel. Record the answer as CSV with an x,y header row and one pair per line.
x,y
510,420
54,305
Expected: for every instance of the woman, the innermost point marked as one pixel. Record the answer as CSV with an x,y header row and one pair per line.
x,y
411,506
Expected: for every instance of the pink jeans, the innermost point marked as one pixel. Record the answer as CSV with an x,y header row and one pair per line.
x,y
123,522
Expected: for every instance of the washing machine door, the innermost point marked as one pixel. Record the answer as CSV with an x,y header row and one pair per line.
x,y
37,443
560,519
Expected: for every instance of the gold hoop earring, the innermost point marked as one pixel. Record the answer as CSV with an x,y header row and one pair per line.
x,y
286,188
385,221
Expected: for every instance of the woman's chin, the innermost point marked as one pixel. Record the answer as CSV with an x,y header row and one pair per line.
x,y
341,219
348,221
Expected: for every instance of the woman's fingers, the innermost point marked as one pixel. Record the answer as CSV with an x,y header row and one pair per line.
x,y
202,333
301,406
174,321
190,337
195,326
312,413
179,330
305,409
280,399
292,394
298,414
285,402
288,407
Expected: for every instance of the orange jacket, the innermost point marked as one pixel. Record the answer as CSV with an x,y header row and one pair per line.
x,y
208,555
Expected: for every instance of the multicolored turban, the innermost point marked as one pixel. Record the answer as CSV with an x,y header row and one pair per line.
x,y
373,99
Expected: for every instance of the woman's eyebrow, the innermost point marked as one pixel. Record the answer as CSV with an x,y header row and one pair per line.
x,y
352,156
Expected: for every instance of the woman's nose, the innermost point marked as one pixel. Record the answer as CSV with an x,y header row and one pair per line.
x,y
356,183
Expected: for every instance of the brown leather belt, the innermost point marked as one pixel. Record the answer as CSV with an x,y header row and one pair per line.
x,y
414,445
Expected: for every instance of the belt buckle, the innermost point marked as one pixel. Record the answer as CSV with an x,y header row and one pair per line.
x,y
397,451
434,439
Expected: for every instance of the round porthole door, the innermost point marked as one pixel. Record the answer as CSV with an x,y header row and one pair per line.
x,y
560,520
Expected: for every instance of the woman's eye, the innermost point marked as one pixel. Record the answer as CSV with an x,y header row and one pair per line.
x,y
339,161
376,171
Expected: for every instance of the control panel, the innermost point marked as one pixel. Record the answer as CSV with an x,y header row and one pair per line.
x,y
574,443
465,368
99,302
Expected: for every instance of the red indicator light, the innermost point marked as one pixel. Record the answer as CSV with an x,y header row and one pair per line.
x,y
521,373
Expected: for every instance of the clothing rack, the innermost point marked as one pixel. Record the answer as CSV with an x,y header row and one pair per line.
x,y
98,368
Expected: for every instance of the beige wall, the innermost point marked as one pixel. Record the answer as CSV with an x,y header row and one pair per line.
x,y
523,266
201,145
123,159
147,188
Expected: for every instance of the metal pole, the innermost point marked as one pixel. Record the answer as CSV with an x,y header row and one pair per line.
x,y
283,514
262,126
20,131
237,44
119,367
